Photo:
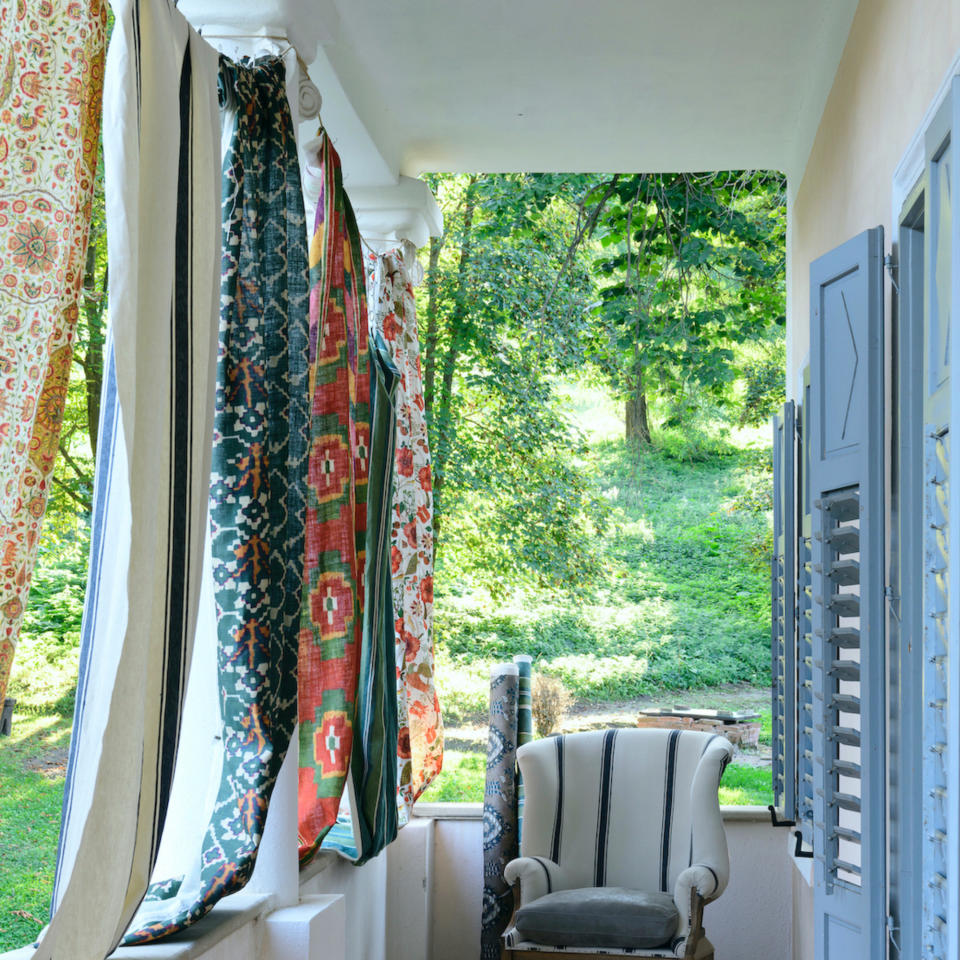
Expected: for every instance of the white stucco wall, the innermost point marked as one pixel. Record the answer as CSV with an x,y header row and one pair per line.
x,y
751,921
896,55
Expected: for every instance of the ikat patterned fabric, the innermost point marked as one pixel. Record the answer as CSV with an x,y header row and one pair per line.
x,y
332,616
499,808
373,763
420,750
259,473
51,82
151,489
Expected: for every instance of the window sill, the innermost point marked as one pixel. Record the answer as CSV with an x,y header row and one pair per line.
x,y
474,811
225,918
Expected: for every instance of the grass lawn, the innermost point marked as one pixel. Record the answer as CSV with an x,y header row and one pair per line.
x,y
685,600
463,779
33,759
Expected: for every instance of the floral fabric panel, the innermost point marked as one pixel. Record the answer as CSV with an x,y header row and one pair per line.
x,y
257,509
331,623
420,751
51,85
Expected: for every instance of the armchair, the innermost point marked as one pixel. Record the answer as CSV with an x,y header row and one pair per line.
x,y
622,845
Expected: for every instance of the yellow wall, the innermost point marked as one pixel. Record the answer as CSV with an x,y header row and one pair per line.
x,y
895,58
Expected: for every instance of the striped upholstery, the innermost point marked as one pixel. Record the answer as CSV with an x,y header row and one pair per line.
x,y
626,808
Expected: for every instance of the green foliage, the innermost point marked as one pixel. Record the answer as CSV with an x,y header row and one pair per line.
x,y
682,603
690,267
763,371
501,313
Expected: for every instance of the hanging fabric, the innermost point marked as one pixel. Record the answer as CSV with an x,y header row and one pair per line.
x,y
152,473
371,822
331,632
49,128
257,509
420,750
499,808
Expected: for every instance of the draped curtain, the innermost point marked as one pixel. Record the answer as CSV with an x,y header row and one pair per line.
x,y
259,471
331,626
51,76
153,467
420,747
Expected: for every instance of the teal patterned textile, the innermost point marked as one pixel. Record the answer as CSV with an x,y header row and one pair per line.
x,y
499,808
257,510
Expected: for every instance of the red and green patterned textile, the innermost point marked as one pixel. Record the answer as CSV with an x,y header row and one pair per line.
x,y
257,480
331,625
51,84
420,750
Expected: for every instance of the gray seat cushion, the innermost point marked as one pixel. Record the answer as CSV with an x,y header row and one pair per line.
x,y
599,917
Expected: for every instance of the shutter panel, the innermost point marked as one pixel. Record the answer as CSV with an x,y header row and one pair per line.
x,y
805,719
783,611
938,255
846,475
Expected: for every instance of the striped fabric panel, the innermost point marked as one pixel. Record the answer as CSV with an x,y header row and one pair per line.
x,y
603,808
668,800
152,472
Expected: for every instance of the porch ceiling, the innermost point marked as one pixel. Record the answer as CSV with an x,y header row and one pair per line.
x,y
566,84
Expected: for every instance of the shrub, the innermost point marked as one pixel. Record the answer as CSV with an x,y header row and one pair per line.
x,y
551,700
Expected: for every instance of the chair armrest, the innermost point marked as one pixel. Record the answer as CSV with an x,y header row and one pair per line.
x,y
537,876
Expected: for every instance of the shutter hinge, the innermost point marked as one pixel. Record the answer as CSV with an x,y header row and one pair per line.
x,y
891,929
893,597
892,265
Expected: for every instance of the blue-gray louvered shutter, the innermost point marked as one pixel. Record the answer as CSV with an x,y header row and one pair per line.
x,y
805,718
783,583
846,475
939,848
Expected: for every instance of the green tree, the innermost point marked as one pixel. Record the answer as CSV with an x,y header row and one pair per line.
x,y
503,313
690,267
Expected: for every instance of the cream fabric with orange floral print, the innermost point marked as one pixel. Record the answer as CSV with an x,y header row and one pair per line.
x,y
51,83
420,751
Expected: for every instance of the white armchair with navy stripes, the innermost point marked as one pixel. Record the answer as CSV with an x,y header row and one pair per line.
x,y
621,846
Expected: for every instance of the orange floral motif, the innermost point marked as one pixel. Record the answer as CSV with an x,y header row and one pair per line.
x,y
420,752
50,94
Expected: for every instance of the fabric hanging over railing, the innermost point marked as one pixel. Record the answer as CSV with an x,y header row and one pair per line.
x,y
420,748
499,808
152,475
259,471
331,632
51,90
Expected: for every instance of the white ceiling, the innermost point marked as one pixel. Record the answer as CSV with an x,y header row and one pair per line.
x,y
565,85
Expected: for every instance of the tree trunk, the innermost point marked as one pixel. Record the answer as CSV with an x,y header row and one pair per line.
x,y
92,362
432,326
443,428
637,422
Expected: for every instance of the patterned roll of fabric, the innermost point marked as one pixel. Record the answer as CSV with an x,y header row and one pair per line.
x,y
420,751
524,664
499,808
258,475
152,475
51,82
332,616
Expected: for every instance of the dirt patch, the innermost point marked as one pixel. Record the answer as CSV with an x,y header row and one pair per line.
x,y
52,765
471,737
